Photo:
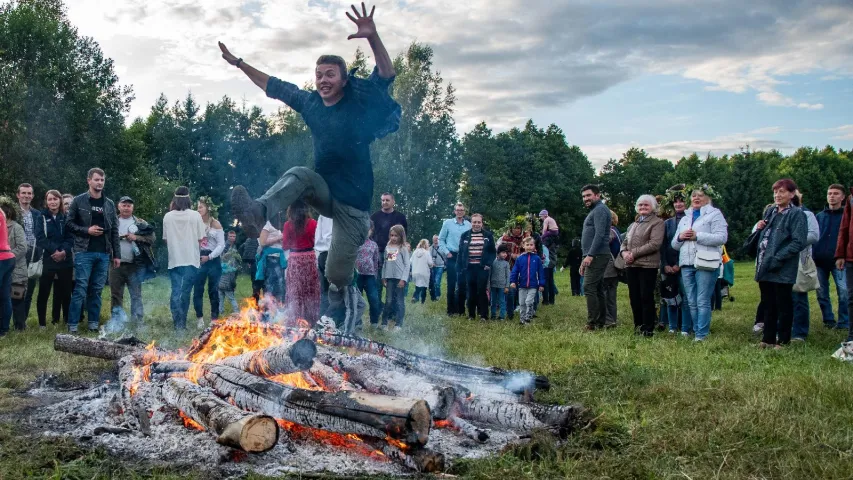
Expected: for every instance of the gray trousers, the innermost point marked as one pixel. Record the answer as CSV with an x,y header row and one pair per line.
x,y
349,224
526,299
611,285
593,290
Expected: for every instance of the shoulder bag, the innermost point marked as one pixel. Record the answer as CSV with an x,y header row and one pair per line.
x,y
35,267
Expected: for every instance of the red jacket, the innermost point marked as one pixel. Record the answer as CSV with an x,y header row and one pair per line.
x,y
844,247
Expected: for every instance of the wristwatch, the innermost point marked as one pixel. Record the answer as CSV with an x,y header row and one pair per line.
x,y
238,62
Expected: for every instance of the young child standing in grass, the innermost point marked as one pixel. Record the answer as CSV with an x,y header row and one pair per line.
x,y
528,276
499,282
421,266
395,272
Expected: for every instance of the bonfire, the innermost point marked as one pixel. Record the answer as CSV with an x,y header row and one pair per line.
x,y
254,385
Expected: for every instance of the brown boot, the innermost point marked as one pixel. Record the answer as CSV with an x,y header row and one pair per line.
x,y
249,212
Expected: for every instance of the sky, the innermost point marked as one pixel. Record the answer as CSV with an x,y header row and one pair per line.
x,y
670,76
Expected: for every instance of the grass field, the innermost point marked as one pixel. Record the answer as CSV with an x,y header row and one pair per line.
x,y
665,407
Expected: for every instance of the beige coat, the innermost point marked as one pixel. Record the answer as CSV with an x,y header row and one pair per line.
x,y
18,245
643,241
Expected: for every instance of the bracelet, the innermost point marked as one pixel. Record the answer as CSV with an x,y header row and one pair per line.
x,y
238,62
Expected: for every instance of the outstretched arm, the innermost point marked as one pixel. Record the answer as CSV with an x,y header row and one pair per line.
x,y
258,77
367,29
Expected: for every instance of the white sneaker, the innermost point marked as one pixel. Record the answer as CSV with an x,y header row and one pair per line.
x,y
685,334
672,331
758,328
396,329
200,323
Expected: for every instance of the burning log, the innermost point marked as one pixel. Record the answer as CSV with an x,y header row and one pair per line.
x,y
521,416
421,460
235,428
90,347
361,413
378,375
468,429
329,379
287,358
516,381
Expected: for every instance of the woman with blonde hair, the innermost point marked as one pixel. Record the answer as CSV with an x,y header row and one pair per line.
x,y
395,272
421,266
699,240
641,253
210,269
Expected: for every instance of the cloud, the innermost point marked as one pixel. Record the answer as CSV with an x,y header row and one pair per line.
x,y
505,57
845,132
675,150
776,99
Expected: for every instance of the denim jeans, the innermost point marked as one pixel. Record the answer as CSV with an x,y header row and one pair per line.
x,y
183,280
6,268
498,302
367,285
698,290
90,276
511,303
840,278
210,272
274,282
437,273
227,295
395,302
802,315
420,295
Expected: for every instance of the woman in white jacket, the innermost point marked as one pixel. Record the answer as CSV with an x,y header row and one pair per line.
x,y
699,239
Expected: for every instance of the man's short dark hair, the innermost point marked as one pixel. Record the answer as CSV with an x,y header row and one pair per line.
x,y
839,187
593,188
93,171
24,185
387,194
334,60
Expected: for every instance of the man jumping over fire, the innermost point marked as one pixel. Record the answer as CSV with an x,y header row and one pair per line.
x,y
345,114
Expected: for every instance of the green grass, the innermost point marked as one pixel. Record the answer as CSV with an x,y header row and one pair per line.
x,y
665,407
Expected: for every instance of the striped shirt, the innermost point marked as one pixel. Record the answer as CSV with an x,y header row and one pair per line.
x,y
475,248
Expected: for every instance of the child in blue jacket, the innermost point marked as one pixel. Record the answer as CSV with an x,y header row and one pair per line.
x,y
527,275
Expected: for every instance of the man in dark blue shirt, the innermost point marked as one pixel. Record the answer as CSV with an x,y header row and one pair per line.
x,y
345,114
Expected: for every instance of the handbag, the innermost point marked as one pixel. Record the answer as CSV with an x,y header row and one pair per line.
x,y
806,276
34,268
750,246
19,291
708,260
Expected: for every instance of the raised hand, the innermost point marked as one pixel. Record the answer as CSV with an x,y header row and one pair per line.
x,y
364,22
227,55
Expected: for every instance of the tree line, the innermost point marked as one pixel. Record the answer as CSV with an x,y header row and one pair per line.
x,y
62,111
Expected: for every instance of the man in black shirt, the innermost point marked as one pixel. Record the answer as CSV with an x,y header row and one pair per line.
x,y
383,220
93,223
345,114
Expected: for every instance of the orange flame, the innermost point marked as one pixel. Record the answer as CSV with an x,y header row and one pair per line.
x,y
442,424
348,442
189,422
298,380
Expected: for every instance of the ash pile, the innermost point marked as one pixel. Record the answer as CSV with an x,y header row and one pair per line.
x,y
251,396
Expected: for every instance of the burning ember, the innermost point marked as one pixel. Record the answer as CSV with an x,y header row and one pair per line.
x,y
247,383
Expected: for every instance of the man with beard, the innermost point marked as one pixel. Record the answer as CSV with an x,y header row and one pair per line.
x,y
93,222
595,243
345,115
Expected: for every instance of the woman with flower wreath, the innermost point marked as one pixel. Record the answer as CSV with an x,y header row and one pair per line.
x,y
210,269
699,240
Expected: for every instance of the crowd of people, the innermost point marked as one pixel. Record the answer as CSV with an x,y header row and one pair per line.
x,y
670,257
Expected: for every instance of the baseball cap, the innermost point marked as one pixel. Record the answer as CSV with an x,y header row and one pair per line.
x,y
125,199
543,212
